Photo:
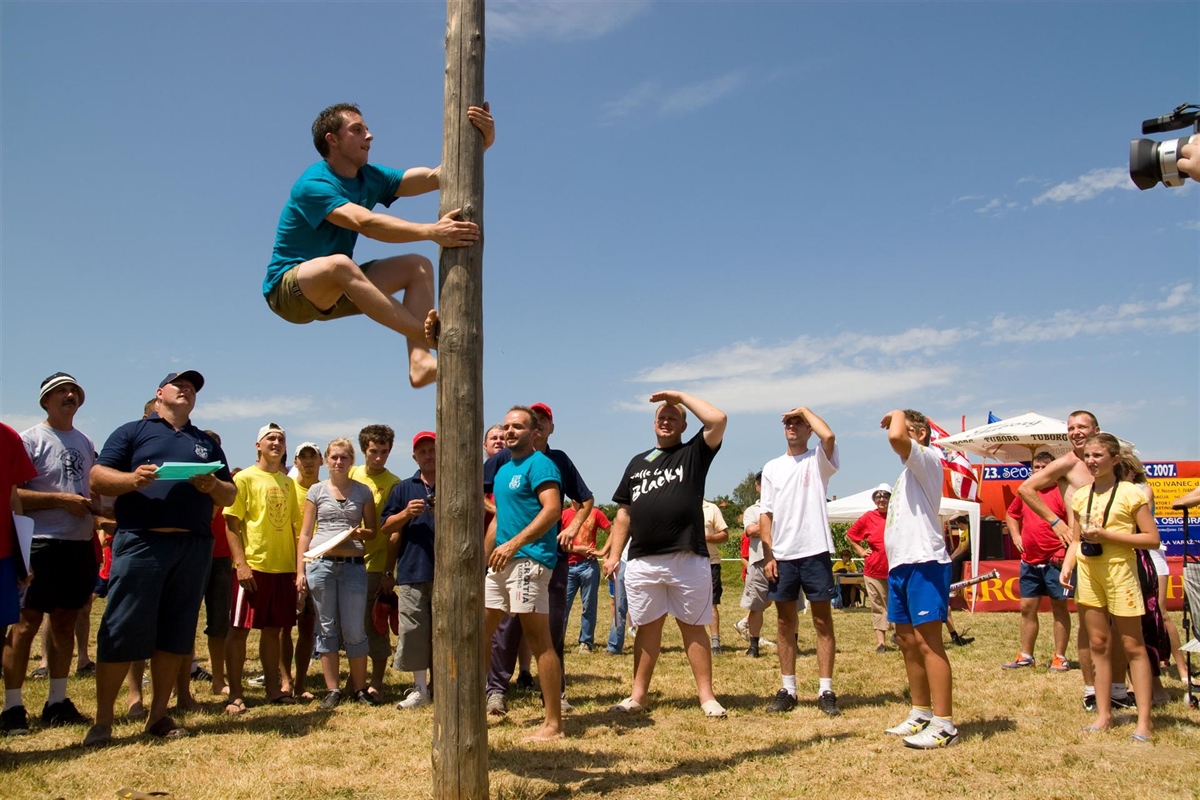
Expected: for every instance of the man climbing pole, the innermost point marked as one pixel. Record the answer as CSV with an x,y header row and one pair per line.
x,y
312,274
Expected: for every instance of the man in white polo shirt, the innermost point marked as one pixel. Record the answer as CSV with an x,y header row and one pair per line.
x,y
796,542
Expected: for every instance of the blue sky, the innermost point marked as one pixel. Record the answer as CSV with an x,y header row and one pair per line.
x,y
851,206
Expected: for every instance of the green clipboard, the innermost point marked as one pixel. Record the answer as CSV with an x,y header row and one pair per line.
x,y
182,470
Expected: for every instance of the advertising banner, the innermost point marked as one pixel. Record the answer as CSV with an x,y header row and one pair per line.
x,y
1004,593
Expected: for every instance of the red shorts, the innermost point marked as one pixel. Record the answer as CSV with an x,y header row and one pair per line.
x,y
272,605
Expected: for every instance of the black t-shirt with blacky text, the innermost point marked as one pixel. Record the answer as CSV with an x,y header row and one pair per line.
x,y
663,490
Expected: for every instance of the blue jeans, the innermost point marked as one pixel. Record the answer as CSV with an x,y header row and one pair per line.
x,y
583,576
616,633
339,594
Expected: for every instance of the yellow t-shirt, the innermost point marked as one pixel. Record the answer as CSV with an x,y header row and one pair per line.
x,y
1121,518
270,519
380,486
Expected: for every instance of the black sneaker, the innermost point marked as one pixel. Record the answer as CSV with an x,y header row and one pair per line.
x,y
782,702
880,649
1089,702
752,651
199,673
331,700
14,722
1124,702
525,681
827,702
63,712
363,697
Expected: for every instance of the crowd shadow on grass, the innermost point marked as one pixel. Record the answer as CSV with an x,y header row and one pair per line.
x,y
987,728
566,765
285,725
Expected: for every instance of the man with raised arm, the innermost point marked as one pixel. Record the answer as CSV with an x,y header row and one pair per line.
x,y
659,512
161,550
919,582
793,527
313,275
1069,473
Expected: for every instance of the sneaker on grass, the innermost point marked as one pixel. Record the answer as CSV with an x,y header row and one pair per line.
x,y
1127,701
414,698
14,722
497,706
257,680
783,702
63,712
752,651
827,703
1021,660
914,724
1059,664
742,626
1089,702
931,738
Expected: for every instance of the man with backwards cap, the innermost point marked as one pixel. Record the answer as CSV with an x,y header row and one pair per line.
x,y
408,521
62,558
161,550
263,523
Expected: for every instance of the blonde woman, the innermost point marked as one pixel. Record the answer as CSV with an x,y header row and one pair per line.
x,y
338,578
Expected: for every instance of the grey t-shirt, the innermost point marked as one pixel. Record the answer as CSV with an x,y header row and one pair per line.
x,y
64,462
335,516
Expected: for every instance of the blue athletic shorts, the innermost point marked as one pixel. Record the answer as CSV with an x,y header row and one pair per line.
x,y
919,593
10,602
154,591
1041,580
812,574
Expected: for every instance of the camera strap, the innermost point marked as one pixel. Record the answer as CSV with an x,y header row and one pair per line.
x,y
1111,496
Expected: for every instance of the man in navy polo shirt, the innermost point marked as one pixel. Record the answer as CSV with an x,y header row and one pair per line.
x,y
505,645
408,521
161,550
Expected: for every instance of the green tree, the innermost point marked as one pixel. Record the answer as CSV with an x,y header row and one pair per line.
x,y
744,492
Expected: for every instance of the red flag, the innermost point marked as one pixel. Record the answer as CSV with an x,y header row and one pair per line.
x,y
962,477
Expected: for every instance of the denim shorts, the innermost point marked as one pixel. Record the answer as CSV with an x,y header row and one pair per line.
x,y
339,594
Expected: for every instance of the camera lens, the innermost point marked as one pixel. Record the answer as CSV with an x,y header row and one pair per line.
x,y
1152,162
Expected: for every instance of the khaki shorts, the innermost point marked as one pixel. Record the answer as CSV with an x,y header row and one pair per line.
x,y
522,587
877,593
754,593
1111,584
288,302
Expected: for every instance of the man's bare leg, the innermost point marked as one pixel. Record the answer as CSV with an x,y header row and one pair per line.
x,y
536,628
324,280
699,656
133,680
647,643
164,670
822,617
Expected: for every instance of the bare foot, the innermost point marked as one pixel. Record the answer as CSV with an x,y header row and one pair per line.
x,y
433,328
219,689
546,733
422,368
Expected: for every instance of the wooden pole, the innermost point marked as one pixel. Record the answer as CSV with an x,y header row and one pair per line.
x,y
460,746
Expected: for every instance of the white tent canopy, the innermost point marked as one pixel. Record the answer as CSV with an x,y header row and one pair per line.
x,y
849,509
1015,439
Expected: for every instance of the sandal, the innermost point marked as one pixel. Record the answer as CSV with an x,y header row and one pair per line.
x,y
40,673
136,711
1092,729
630,706
713,709
237,706
282,700
166,728
85,670
98,736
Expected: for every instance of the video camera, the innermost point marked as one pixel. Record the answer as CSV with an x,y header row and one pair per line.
x,y
1150,161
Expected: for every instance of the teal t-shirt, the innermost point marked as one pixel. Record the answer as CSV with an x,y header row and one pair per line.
x,y
517,504
304,233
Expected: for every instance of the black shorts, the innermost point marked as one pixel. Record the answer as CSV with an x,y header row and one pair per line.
x,y
716,581
218,595
64,575
811,574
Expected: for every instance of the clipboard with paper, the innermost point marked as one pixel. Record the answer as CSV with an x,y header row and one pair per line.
x,y
182,470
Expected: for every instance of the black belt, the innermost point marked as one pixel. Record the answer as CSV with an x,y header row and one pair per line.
x,y
344,559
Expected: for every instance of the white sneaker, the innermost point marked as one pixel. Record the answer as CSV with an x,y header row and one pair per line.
x,y
913,725
414,698
933,737
564,706
742,626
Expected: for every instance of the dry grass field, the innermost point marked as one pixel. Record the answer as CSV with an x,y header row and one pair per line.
x,y
1021,736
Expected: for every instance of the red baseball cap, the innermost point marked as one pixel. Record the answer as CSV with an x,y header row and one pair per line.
x,y
424,435
545,409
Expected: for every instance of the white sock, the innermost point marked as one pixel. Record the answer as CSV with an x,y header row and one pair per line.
x,y
716,641
826,685
789,683
1027,655
422,683
12,698
58,691
945,723
1119,689
921,713
1089,691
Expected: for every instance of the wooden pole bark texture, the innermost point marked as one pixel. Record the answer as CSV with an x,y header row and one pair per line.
x,y
460,747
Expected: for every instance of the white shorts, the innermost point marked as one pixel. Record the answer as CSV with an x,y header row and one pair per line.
x,y
679,584
522,587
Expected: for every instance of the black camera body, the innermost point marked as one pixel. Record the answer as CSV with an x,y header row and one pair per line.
x,y
1152,162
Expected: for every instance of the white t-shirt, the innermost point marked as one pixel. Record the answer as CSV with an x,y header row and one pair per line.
x,y
793,493
714,522
913,534
750,517
64,462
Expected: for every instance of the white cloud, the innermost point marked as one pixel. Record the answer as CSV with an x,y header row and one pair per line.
x,y
234,408
1177,313
664,101
1191,225
1087,186
558,21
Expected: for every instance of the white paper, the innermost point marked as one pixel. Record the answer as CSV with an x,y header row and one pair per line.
x,y
327,545
24,527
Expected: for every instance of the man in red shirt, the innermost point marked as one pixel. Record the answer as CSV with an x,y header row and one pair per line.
x,y
866,537
1041,561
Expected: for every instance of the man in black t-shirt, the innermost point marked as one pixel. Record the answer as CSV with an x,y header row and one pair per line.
x,y
667,572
